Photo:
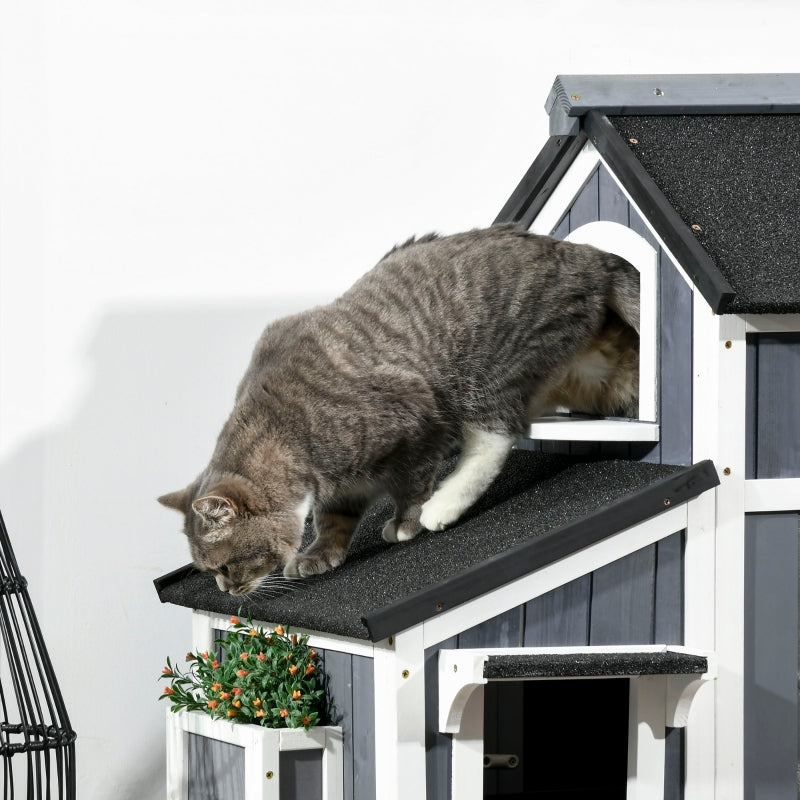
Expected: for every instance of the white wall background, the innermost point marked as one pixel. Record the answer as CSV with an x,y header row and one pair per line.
x,y
176,173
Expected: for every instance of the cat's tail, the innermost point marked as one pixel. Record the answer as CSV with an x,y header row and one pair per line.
x,y
623,295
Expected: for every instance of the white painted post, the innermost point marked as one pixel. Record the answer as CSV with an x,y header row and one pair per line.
x,y
332,765
467,764
646,737
400,717
177,759
719,433
262,780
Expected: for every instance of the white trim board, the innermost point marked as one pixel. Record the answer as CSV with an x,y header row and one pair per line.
x,y
569,429
772,323
772,494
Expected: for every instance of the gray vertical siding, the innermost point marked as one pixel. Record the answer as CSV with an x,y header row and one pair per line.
x,y
216,769
300,775
773,381
771,647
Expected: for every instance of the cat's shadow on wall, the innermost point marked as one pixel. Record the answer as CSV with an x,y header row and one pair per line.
x,y
79,500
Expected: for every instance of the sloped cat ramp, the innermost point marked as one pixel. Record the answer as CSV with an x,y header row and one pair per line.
x,y
541,509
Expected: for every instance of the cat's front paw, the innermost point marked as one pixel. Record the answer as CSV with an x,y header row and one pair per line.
x,y
392,532
440,511
304,565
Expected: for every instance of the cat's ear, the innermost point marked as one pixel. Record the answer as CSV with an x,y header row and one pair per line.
x,y
214,510
178,500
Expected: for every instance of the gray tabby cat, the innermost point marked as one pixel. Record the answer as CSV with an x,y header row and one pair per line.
x,y
449,342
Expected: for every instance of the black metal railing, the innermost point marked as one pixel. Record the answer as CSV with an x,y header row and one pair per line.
x,y
37,743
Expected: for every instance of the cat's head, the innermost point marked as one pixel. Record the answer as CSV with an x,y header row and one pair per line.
x,y
233,533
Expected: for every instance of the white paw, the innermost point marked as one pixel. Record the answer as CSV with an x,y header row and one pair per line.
x,y
439,512
291,570
392,532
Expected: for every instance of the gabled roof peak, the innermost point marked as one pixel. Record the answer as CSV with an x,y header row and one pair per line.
x,y
573,96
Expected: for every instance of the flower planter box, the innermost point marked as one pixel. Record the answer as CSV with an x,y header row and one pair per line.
x,y
210,758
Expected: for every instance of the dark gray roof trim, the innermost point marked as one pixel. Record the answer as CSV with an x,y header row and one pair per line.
x,y
666,221
575,95
538,552
542,177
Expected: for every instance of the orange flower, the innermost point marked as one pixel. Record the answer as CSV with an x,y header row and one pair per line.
x,y
261,657
215,665
213,703
252,632
294,638
296,694
284,712
232,712
190,656
260,713
312,653
244,656
237,703
234,620
293,669
305,721
204,654
242,672
310,668
257,702
237,691
167,690
279,630
166,671
224,696
215,687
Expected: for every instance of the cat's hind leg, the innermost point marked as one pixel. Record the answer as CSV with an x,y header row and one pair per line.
x,y
334,523
482,457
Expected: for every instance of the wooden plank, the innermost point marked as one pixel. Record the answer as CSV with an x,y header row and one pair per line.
x,y
613,205
771,648
560,617
668,627
562,229
364,778
778,434
339,675
216,769
751,408
623,599
300,774
675,368
586,207
504,630
437,745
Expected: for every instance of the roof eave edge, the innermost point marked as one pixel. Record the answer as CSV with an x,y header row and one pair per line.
x,y
536,553
659,212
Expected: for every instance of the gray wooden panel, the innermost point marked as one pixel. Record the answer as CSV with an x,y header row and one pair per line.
x,y
751,407
613,205
638,225
622,600
675,364
560,617
216,769
339,676
668,626
437,745
300,775
562,229
364,779
674,763
771,646
778,435
586,206
504,630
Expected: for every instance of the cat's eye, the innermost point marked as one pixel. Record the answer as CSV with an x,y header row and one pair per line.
x,y
223,569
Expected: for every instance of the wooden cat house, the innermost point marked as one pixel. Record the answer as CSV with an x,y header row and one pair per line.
x,y
618,616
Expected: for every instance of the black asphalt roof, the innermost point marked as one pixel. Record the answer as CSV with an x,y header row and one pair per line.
x,y
541,508
712,161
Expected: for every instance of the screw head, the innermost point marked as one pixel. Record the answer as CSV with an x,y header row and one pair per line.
x,y
728,345
726,471
270,775
405,673
667,501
